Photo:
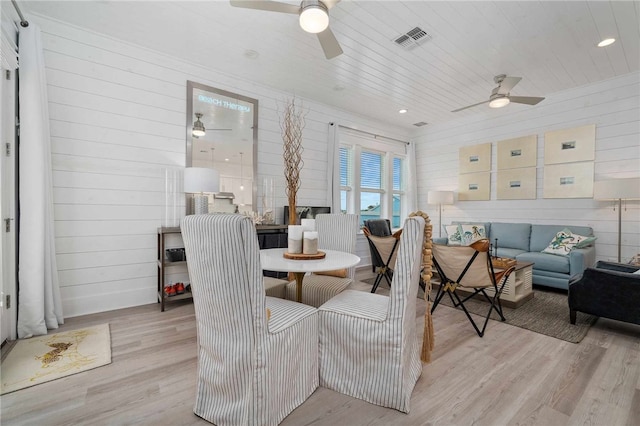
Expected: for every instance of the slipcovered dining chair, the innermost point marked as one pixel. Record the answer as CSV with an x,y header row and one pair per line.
x,y
257,355
469,269
369,345
335,232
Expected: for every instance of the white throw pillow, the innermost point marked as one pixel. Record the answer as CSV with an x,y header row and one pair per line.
x,y
563,243
469,234
453,235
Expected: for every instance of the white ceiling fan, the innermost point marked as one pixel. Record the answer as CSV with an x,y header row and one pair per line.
x,y
314,18
501,96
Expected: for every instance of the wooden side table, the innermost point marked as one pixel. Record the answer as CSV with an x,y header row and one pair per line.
x,y
519,286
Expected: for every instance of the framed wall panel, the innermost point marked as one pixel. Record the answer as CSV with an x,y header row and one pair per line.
x,y
518,152
573,180
474,186
516,184
570,145
475,158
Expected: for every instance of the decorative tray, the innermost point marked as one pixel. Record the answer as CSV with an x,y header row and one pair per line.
x,y
503,262
302,256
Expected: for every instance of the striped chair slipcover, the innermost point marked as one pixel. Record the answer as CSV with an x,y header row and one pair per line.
x,y
369,346
335,232
251,370
274,287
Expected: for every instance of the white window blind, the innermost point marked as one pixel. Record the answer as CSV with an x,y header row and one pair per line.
x,y
372,177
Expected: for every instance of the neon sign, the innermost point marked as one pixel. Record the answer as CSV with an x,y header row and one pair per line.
x,y
224,104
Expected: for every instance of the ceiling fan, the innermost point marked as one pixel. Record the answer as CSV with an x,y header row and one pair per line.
x,y
314,18
500,96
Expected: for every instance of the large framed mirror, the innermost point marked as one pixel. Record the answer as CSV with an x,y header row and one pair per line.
x,y
227,142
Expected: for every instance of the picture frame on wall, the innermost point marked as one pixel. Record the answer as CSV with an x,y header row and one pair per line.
x,y
573,180
475,158
517,152
516,184
474,186
570,145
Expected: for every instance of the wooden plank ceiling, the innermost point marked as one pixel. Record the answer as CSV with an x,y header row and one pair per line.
x,y
551,45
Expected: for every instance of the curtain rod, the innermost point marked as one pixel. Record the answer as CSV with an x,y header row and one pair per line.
x,y
23,22
375,136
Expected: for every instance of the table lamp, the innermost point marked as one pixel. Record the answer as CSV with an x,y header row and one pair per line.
x,y
440,198
197,181
617,190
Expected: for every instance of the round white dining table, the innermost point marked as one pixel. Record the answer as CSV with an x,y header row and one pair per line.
x,y
274,260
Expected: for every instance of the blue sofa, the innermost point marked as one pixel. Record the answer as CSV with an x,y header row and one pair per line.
x,y
525,242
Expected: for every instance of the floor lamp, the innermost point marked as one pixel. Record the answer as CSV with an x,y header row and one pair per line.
x,y
197,181
440,198
617,190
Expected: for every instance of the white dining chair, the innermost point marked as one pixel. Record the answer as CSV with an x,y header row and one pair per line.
x,y
335,232
369,345
257,355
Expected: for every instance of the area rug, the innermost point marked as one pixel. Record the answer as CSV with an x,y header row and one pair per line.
x,y
547,313
45,358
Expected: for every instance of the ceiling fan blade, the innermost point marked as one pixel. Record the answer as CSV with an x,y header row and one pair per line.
x,y
330,3
329,44
529,100
507,84
469,106
270,6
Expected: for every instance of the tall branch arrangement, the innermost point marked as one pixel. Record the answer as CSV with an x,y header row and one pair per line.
x,y
292,125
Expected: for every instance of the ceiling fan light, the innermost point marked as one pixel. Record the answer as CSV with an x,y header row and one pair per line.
x,y
198,128
499,102
314,18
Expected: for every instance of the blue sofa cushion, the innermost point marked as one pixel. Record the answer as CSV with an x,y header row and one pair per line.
x,y
511,235
546,262
508,252
541,235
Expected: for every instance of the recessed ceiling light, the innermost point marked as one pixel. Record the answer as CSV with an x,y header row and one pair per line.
x,y
226,159
403,111
606,42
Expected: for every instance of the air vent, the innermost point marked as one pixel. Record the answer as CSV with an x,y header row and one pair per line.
x,y
420,123
412,38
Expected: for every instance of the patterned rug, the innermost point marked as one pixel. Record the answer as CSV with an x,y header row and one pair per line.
x,y
45,358
547,313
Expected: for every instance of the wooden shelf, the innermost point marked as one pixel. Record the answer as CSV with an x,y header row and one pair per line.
x,y
163,264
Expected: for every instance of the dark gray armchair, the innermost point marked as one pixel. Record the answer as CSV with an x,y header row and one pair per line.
x,y
609,290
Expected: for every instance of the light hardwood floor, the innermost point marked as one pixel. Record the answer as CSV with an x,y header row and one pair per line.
x,y
510,377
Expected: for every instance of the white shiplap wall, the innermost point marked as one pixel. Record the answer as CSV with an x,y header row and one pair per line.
x,y
117,116
613,105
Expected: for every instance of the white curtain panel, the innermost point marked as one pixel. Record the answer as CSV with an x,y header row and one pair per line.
x,y
40,306
333,167
412,180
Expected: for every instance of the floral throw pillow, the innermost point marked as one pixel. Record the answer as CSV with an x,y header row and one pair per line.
x,y
469,234
453,235
565,241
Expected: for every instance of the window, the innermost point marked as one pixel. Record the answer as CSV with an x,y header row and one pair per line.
x,y
372,178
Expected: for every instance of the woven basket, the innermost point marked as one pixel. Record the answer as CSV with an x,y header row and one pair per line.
x,y
503,262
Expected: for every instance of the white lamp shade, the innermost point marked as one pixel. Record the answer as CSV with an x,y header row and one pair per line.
x,y
440,197
201,179
615,189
